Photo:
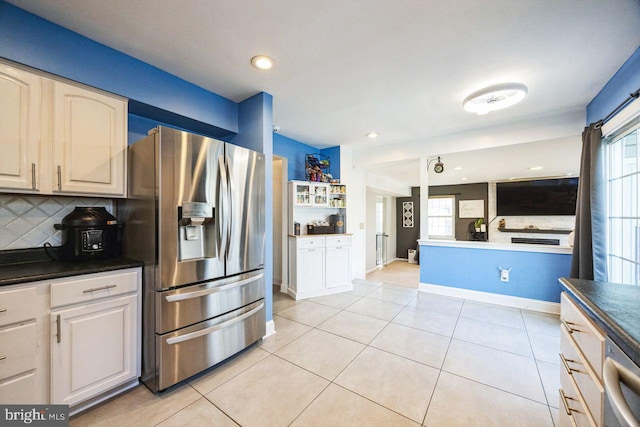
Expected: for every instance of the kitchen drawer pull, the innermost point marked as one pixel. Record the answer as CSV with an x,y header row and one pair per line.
x,y
58,330
59,177
4,356
34,185
3,310
565,362
207,331
565,403
198,294
102,288
568,326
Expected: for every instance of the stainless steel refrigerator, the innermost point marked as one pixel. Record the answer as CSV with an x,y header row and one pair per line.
x,y
195,214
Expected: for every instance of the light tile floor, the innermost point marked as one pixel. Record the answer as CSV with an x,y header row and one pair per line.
x,y
381,355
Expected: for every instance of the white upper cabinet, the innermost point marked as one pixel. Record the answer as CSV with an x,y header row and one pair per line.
x,y
60,138
20,128
89,141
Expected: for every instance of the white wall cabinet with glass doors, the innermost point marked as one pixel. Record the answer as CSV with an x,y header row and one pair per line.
x,y
310,201
60,137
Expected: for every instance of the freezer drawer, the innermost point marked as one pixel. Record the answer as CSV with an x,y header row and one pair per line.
x,y
192,304
190,350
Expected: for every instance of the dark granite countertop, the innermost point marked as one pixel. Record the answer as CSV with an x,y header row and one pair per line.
x,y
614,307
30,265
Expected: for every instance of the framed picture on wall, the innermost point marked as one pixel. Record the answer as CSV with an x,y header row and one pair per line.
x,y
471,208
407,214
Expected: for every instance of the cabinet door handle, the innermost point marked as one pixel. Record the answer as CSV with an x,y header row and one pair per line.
x,y
3,310
564,399
34,185
568,326
59,177
58,330
102,288
4,356
565,362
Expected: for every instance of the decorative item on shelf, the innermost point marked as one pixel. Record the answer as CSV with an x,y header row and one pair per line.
x,y
317,168
502,223
479,224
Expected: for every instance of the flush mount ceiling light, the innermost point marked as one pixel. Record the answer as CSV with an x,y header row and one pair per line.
x,y
495,97
262,62
371,135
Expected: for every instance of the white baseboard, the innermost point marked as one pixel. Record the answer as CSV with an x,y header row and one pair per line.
x,y
319,292
491,298
271,329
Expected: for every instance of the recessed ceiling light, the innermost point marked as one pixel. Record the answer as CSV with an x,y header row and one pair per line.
x,y
495,97
262,62
464,178
535,168
457,168
372,135
569,173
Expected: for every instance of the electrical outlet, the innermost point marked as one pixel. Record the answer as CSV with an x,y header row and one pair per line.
x,y
504,275
362,226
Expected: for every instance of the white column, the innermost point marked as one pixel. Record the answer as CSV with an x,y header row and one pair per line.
x,y
424,197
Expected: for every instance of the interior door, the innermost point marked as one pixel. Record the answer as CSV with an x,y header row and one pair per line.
x,y
245,242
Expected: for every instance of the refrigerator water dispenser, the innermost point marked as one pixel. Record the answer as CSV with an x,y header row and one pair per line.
x,y
196,231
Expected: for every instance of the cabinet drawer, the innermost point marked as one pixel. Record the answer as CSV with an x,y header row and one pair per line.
x,y
309,242
17,306
19,391
87,289
335,241
583,376
17,350
585,334
571,406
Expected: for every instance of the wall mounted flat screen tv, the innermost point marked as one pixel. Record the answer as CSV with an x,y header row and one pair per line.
x,y
539,197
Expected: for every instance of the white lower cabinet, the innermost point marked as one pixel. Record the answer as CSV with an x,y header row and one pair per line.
x,y
319,265
70,341
94,349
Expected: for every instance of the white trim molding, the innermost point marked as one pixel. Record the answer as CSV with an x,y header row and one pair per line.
x,y
271,329
491,298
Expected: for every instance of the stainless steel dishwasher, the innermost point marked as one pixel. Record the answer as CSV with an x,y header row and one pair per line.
x,y
622,388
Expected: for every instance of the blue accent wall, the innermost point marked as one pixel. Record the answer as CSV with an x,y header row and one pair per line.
x,y
334,154
625,81
533,275
295,151
255,133
33,41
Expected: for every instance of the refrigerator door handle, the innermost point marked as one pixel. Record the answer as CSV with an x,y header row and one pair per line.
x,y
223,205
204,292
230,200
207,331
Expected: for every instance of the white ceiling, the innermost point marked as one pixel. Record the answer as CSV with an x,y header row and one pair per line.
x,y
400,68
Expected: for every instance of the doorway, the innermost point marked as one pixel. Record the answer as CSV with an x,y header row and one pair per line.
x,y
280,224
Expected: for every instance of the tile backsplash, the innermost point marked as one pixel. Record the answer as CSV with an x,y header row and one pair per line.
x,y
26,221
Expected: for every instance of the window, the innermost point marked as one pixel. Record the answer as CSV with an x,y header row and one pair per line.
x,y
441,217
623,173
